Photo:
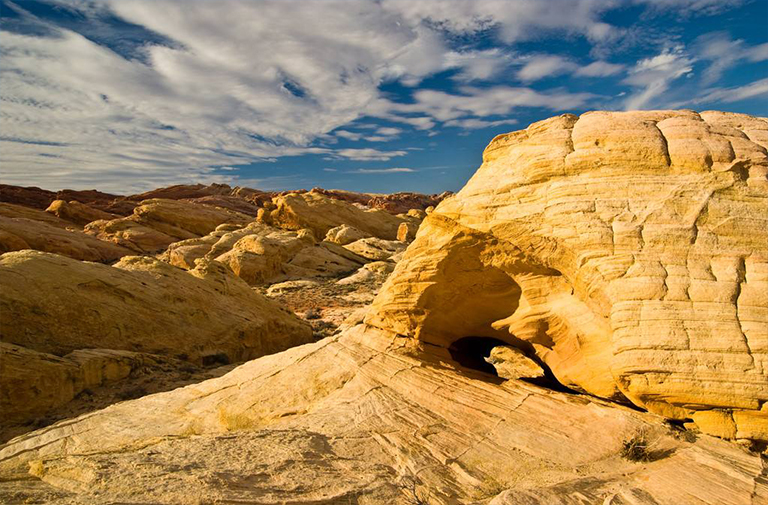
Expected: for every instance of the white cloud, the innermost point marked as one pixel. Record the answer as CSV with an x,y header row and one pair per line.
x,y
539,67
599,69
382,170
723,53
485,102
354,136
367,154
478,65
654,75
474,124
388,130
734,94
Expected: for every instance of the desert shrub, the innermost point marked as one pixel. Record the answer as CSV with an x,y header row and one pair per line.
x,y
637,448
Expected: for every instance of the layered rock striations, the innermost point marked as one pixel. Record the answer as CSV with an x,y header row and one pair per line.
x,y
52,307
619,254
628,252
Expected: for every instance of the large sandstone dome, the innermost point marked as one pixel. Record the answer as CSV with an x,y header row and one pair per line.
x,y
626,253
627,250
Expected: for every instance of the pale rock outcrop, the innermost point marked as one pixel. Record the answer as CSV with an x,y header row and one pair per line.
x,y
345,234
13,211
628,250
185,219
352,419
375,249
56,305
628,272
128,233
32,382
376,271
19,233
78,213
320,214
157,223
511,363
406,232
261,254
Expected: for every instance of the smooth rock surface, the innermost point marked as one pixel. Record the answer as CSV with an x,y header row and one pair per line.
x,y
356,420
21,233
56,305
76,212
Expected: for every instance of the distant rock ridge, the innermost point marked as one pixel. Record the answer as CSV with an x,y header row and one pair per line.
x,y
238,198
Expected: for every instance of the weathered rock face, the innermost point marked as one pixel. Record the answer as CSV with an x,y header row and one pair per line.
x,y
155,224
233,203
76,212
261,254
623,253
183,219
51,235
181,191
12,211
628,251
351,419
320,213
344,235
45,300
32,382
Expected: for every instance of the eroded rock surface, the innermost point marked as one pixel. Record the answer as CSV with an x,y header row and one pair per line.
x,y
625,253
261,254
320,213
53,306
355,419
76,212
628,250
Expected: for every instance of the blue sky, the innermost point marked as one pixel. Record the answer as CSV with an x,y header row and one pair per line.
x,y
380,96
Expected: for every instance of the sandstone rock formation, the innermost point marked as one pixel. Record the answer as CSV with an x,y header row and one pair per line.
x,y
375,249
42,231
511,363
32,382
345,234
261,254
53,306
320,214
12,211
406,232
47,299
352,419
157,223
233,203
181,191
76,212
128,233
627,251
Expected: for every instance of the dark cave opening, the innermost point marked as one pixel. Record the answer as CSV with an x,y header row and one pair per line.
x,y
470,352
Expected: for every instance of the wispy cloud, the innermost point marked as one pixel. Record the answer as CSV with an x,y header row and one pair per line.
x,y
722,53
653,76
733,94
367,154
397,170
